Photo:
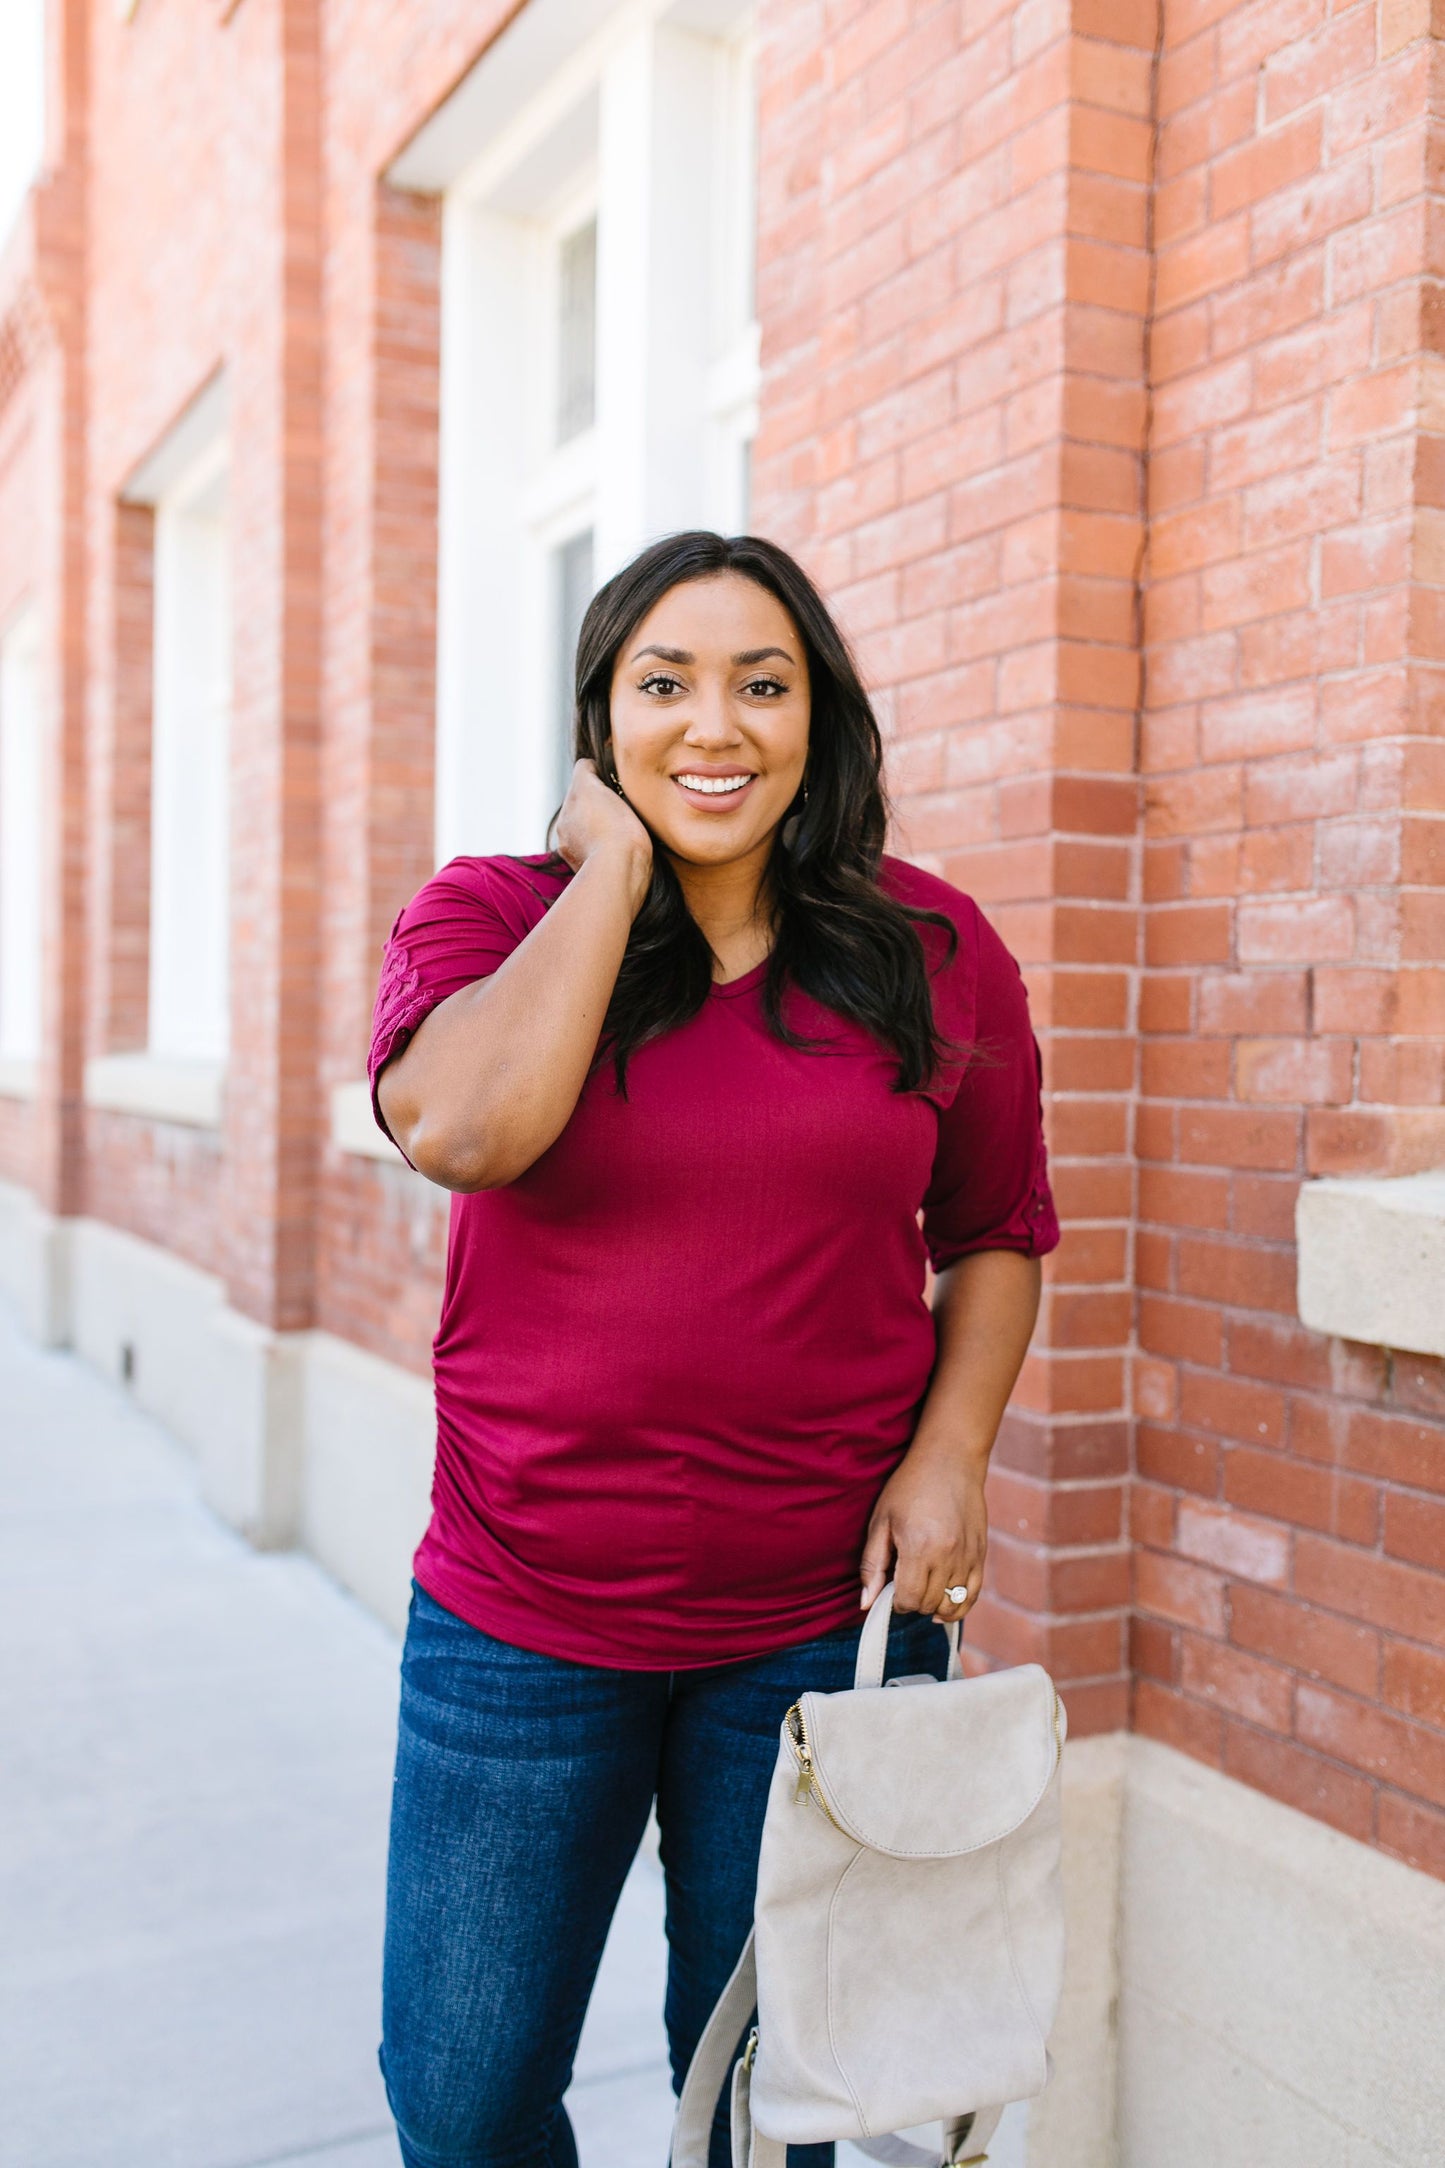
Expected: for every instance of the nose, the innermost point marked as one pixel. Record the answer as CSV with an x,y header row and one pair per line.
x,y
711,724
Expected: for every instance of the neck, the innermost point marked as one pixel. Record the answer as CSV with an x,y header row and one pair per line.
x,y
729,903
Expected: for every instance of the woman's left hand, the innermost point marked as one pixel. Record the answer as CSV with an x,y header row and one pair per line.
x,y
930,1526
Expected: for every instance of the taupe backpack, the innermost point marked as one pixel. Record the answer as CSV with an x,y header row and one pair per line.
x,y
908,1944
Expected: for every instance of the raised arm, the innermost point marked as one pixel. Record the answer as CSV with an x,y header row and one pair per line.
x,y
491,1076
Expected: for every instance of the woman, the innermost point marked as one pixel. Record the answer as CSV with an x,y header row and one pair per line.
x,y
691,1080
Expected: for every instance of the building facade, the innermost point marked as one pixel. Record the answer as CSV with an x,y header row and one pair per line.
x,y
1093,359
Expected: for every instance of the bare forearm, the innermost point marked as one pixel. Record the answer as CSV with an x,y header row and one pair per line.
x,y
930,1525
494,1073
984,1310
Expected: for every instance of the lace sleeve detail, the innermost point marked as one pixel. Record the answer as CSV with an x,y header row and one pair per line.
x,y
400,1001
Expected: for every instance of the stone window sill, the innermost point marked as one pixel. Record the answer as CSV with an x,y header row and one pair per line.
x,y
353,1126
169,1091
1371,1259
19,1079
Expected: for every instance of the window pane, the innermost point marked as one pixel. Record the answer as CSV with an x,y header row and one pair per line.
x,y
572,591
190,799
576,331
22,70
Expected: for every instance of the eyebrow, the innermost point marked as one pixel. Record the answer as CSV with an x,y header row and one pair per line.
x,y
684,655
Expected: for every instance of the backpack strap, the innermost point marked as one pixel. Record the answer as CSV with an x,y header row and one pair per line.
x,y
750,2148
707,2073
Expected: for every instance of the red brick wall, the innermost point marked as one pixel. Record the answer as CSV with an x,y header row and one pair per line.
x,y
382,837
42,451
274,1116
1290,1516
158,1180
27,498
16,1128
382,1258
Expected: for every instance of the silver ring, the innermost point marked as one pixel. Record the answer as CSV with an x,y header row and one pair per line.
x,y
957,1595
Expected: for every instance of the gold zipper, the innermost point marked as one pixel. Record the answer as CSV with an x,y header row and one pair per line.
x,y
807,1783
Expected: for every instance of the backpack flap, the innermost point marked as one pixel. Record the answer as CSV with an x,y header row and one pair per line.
x,y
937,1770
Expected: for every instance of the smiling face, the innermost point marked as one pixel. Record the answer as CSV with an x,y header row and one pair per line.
x,y
710,710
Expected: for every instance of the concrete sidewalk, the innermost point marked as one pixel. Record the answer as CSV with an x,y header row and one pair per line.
x,y
195,1765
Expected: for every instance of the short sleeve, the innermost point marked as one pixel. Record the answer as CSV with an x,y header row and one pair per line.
x,y
989,1188
459,927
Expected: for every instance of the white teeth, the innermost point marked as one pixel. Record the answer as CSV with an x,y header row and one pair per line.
x,y
714,785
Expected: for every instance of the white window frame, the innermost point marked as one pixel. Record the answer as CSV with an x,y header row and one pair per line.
x,y
643,112
188,1007
23,830
558,499
181,1074
22,143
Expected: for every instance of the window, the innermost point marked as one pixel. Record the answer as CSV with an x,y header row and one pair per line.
x,y
599,360
190,748
22,103
571,592
184,481
576,331
21,831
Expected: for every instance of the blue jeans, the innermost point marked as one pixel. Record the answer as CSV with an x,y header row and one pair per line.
x,y
523,1785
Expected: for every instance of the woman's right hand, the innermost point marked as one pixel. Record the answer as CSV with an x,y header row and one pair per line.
x,y
491,1076
594,818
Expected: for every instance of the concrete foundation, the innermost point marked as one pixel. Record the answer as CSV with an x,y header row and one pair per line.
x,y
1282,1986
34,1265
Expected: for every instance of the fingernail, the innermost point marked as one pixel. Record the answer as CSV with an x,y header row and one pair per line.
x,y
863,1600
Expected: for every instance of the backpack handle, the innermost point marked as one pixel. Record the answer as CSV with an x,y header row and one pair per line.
x,y
873,1641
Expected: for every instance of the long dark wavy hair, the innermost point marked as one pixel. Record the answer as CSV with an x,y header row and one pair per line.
x,y
838,936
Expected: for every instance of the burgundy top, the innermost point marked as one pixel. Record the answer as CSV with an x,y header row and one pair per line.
x,y
679,1356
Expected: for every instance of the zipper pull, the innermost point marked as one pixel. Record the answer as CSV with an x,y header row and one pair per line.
x,y
798,1740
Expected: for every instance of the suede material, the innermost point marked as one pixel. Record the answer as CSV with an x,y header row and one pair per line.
x,y
909,1961
935,1782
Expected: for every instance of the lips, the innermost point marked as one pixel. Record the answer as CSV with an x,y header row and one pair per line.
x,y
714,790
